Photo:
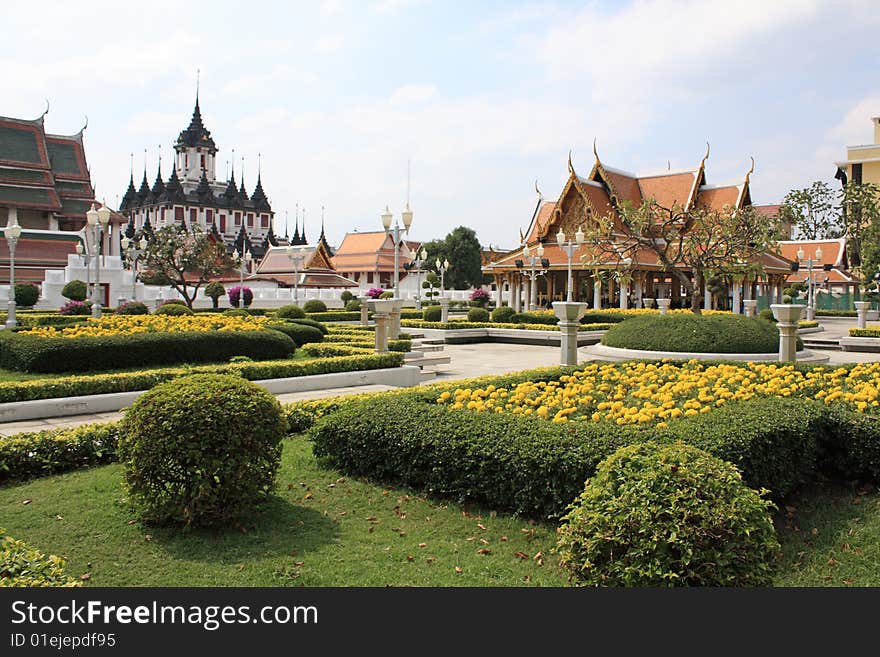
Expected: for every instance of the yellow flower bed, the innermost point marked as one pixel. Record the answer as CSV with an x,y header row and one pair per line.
x,y
130,324
653,393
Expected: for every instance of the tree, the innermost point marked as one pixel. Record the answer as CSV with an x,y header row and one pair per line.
x,y
187,259
813,212
689,243
463,251
860,207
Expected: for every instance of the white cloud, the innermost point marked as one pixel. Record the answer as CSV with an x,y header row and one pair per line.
x,y
268,83
329,43
411,94
388,6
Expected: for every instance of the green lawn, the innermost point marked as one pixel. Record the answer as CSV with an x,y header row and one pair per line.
x,y
320,530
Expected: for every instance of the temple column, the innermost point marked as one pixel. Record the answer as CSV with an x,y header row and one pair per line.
x,y
624,294
499,286
597,293
640,289
707,298
737,296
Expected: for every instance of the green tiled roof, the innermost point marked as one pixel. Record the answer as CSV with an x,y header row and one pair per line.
x,y
23,175
18,145
71,187
35,195
74,206
63,158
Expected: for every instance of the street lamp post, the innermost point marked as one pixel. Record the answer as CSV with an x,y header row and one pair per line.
x,y
442,268
533,272
12,233
395,233
86,255
97,220
297,259
243,262
134,249
421,258
811,308
569,249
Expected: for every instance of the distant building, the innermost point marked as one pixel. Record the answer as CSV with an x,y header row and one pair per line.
x,y
193,196
862,163
368,258
45,187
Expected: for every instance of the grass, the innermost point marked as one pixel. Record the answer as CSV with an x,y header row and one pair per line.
x,y
321,529
830,536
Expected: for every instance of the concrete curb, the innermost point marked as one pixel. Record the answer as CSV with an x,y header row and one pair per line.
x,y
509,336
404,376
600,351
859,344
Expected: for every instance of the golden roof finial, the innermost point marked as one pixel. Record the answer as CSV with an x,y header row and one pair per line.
x,y
595,151
751,169
538,191
570,165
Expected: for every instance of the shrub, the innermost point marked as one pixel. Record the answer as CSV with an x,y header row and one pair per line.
x,y
432,314
24,566
346,296
173,309
76,308
353,305
503,315
375,292
75,290
201,450
767,315
480,297
668,515
41,453
388,294
299,333
34,353
686,332
836,313
311,322
478,314
852,444
236,312
534,318
314,306
290,312
132,308
26,294
240,296
215,290
171,302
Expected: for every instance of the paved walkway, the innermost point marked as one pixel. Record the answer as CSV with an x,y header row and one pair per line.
x,y
467,360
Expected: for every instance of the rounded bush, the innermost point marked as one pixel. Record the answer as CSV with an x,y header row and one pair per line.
x,y
290,312
314,306
173,309
477,314
75,290
76,308
215,290
503,314
353,305
201,449
236,312
713,334
668,515
767,315
132,308
26,294
432,314
172,302
299,333
346,296
311,322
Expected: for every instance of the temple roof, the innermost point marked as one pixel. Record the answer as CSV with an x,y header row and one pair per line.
x,y
259,199
196,134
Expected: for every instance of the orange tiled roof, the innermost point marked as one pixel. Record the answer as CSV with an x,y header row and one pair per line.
x,y
832,251
669,189
716,198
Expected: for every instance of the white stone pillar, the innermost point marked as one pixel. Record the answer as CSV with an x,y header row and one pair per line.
x,y
737,298
516,293
787,318
751,307
444,309
624,295
569,315
499,285
382,317
365,311
394,319
862,311
640,289
597,293
707,298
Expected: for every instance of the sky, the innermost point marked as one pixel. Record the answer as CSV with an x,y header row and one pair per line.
x,y
482,99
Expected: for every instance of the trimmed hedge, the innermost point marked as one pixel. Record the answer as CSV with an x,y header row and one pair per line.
x,y
432,314
314,306
33,353
478,314
43,453
75,290
30,321
713,334
96,384
334,349
870,332
336,316
174,309
290,311
836,313
299,333
310,322
503,315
